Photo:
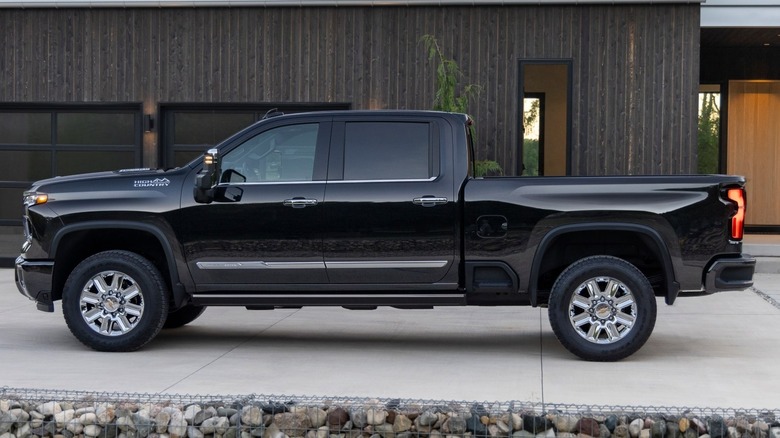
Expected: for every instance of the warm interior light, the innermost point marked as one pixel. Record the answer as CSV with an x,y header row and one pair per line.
x,y
738,220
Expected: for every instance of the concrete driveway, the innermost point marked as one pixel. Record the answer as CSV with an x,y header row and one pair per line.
x,y
715,351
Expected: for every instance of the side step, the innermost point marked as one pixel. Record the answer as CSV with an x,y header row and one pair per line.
x,y
351,301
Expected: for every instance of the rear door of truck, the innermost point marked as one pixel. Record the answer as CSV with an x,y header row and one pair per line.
x,y
391,217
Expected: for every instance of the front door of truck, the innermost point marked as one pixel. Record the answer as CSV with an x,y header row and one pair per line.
x,y
390,203
263,227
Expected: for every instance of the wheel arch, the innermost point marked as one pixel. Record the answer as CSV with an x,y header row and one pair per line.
x,y
561,235
84,239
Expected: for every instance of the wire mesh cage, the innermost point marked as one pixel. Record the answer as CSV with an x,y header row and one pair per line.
x,y
56,413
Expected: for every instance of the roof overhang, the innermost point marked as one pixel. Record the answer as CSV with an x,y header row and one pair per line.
x,y
740,13
307,3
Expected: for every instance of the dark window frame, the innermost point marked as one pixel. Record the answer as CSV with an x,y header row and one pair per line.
x,y
569,63
53,109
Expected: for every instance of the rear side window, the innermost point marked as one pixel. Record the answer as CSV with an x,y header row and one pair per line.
x,y
387,151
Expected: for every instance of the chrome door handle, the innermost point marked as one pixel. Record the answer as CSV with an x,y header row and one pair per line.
x,y
299,202
429,201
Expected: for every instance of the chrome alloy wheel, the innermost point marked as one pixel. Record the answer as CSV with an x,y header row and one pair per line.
x,y
111,303
602,310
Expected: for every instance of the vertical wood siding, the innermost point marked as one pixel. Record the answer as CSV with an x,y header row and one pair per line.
x,y
635,68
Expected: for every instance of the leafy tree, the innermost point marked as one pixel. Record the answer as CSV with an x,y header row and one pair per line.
x,y
709,134
448,99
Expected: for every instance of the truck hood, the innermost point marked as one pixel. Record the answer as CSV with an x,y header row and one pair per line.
x,y
128,178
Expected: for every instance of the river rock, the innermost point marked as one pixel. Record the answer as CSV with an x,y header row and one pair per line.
x,y
161,421
523,434
63,417
658,429
742,425
125,424
49,408
635,428
23,431
690,433
20,414
190,412
427,418
455,425
699,426
761,429
75,426
611,422
252,416
92,430
317,417
774,432
105,413
203,415
385,430
717,427
621,431
536,424
684,424
401,424
337,418
177,428
292,424
375,416
565,423
143,424
587,426
194,432
7,420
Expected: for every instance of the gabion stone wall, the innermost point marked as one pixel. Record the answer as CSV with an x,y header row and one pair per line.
x,y
32,413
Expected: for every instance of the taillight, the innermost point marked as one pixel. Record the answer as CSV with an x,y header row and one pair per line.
x,y
738,220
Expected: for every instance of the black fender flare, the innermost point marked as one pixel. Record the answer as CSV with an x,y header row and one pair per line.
x,y
178,290
672,286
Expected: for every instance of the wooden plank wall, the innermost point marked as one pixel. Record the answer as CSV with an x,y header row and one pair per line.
x,y
635,68
754,146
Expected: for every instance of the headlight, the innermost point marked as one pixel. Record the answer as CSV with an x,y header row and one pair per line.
x,y
35,198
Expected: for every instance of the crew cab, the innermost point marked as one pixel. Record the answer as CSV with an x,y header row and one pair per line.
x,y
374,208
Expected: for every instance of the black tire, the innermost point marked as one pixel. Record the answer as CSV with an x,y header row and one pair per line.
x,y
185,315
115,301
602,326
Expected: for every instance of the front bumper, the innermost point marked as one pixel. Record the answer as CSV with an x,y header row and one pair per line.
x,y
34,280
730,274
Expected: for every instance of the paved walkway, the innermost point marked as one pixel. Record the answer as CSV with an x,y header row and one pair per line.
x,y
714,351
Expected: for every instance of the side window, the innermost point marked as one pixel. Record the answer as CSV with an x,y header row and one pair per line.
x,y
285,153
387,151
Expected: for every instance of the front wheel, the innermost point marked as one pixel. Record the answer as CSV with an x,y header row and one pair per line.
x,y
115,301
602,308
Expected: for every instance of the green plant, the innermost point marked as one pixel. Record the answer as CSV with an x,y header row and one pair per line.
x,y
448,99
487,167
709,134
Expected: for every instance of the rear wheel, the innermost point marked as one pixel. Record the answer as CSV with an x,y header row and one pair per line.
x,y
115,301
602,308
185,315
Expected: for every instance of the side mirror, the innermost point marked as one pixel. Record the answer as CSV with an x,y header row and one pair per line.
x,y
206,180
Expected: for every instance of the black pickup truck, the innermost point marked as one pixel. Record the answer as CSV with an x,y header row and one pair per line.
x,y
374,208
